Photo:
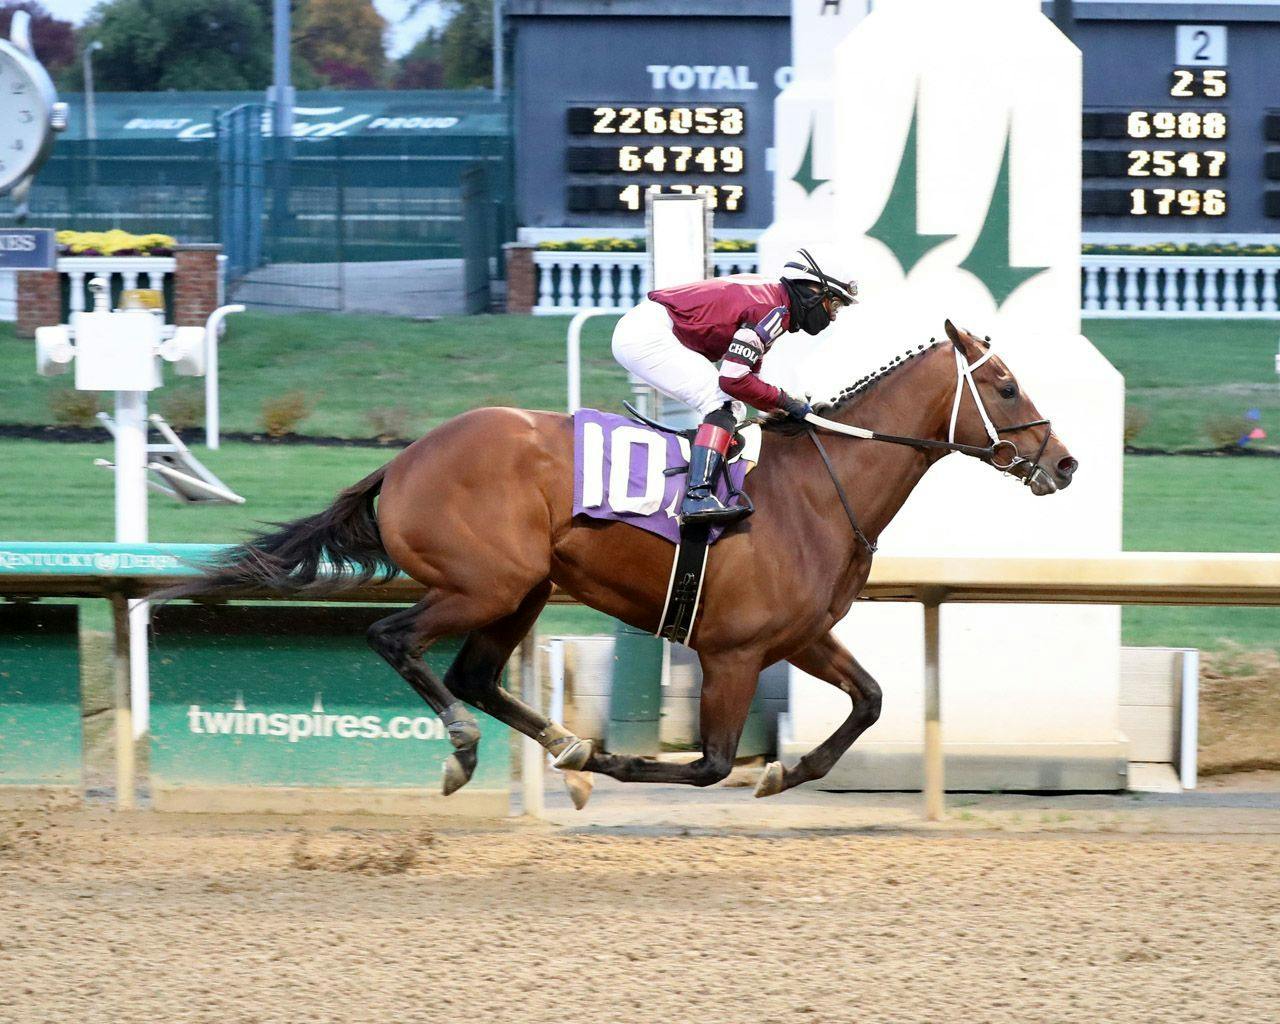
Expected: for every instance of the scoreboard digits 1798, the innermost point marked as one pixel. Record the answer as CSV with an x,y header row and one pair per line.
x,y
620,151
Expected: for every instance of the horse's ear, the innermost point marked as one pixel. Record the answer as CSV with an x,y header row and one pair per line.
x,y
958,339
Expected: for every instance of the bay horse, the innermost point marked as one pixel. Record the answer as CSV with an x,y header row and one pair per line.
x,y
479,511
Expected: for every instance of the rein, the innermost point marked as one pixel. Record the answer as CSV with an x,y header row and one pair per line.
x,y
989,454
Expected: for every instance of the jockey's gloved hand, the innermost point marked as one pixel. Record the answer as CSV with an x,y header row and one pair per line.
x,y
795,408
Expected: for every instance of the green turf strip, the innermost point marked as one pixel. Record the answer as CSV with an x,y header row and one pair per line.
x,y
53,492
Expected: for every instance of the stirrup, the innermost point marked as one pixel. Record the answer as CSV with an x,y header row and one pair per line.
x,y
713,512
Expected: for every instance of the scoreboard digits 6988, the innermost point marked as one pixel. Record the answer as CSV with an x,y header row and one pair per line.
x,y
621,151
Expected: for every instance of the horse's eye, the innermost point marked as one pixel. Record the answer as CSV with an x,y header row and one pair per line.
x,y
1008,390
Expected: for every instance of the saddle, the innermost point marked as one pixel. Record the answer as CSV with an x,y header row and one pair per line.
x,y
688,568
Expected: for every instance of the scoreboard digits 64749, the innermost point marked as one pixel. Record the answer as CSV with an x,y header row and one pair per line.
x,y
620,151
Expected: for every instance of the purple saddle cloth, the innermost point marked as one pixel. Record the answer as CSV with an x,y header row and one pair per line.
x,y
619,473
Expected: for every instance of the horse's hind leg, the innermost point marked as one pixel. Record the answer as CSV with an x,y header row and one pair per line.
x,y
401,639
474,674
830,661
728,684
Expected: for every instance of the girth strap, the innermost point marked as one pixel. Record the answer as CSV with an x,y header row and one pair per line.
x,y
844,498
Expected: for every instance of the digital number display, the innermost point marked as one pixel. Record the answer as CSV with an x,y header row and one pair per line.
x,y
1210,83
1170,163
638,120
656,160
1185,202
1169,124
630,198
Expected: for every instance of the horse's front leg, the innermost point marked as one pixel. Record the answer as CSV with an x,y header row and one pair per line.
x,y
828,660
728,684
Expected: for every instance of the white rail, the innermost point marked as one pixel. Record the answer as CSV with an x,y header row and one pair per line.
x,y
569,282
1242,287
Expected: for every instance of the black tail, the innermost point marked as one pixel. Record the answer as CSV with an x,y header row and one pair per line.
x,y
343,540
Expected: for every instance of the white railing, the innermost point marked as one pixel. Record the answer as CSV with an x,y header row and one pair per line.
x,y
133,271
569,282
1111,286
1180,286
8,296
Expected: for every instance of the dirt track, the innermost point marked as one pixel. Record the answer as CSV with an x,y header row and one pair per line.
x,y
153,918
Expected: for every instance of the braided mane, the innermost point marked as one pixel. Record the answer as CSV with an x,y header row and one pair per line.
x,y
779,423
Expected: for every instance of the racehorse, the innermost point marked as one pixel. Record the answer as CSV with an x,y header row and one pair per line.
x,y
479,511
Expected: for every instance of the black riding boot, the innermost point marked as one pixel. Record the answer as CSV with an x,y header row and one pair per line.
x,y
706,460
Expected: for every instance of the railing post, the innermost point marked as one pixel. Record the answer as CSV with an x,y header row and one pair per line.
x,y
125,775
532,761
934,776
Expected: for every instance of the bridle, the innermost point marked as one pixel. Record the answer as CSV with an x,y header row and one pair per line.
x,y
964,375
991,454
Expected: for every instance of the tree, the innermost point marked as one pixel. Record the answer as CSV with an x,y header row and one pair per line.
x,y
467,45
343,41
423,66
54,40
151,45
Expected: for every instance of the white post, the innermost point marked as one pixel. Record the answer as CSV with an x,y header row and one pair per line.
x,y
934,784
573,355
212,328
131,528
1189,731
532,763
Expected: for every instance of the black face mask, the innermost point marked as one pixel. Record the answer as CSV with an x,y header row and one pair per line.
x,y
807,311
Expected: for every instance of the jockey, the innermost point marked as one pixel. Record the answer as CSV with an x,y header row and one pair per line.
x,y
673,339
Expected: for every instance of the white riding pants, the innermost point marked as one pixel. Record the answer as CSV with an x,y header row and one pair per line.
x,y
644,342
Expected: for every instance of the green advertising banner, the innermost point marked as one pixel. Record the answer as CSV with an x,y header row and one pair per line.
x,y
286,697
40,723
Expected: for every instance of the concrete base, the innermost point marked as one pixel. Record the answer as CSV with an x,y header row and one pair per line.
x,y
1021,767
483,803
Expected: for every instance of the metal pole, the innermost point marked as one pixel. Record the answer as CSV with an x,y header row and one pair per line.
x,y
90,110
131,528
934,784
499,52
1189,723
125,777
532,761
282,80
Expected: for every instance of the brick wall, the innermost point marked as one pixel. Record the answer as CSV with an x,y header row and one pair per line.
x,y
195,284
522,278
39,301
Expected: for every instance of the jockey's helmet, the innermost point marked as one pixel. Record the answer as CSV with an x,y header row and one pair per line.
x,y
815,294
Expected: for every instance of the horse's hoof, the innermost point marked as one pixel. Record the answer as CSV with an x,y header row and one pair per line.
x,y
579,786
574,757
455,775
771,779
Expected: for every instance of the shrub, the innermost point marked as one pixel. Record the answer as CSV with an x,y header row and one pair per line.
x,y
114,243
182,407
389,423
1225,431
282,414
72,408
1136,420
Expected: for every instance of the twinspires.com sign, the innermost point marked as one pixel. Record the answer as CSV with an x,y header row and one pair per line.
x,y
27,249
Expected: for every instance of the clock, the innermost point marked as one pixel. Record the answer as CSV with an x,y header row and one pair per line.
x,y
30,113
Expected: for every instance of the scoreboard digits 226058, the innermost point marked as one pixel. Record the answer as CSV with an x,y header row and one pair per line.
x,y
621,151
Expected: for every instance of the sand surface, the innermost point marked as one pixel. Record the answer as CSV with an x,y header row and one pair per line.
x,y
139,917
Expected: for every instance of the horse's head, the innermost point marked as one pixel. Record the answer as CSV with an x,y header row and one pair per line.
x,y
991,410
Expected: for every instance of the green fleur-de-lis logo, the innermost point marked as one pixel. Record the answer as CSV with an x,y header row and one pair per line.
x,y
988,260
804,173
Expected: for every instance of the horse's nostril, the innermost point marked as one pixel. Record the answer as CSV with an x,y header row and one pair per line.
x,y
1067,466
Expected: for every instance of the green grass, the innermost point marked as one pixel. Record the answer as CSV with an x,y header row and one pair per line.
x,y
1186,374
1181,375
53,492
1199,504
352,366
